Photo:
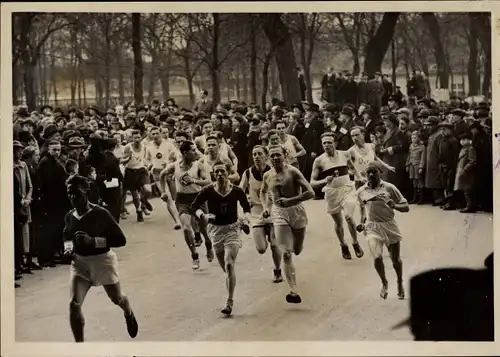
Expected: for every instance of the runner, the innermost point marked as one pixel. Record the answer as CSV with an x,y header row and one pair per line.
x,y
212,155
89,233
201,141
288,189
156,157
223,224
189,175
262,228
363,153
378,200
331,170
290,143
136,178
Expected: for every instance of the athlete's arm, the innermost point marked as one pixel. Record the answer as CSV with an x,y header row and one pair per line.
x,y
204,175
362,207
234,176
232,155
316,170
242,199
351,167
164,174
299,149
113,234
264,192
127,155
244,182
397,201
307,190
200,199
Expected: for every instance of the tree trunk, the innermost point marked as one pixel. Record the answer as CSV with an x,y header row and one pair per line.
x,y
265,80
152,76
245,84
483,22
472,65
237,84
119,75
53,75
189,79
253,64
107,70
279,36
74,70
166,64
394,64
377,46
29,83
214,70
442,64
136,48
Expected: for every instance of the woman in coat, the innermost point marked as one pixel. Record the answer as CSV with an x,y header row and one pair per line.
x,y
432,178
465,176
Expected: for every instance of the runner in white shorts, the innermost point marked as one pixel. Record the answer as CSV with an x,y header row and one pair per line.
x,y
89,234
331,170
378,200
262,228
223,224
288,189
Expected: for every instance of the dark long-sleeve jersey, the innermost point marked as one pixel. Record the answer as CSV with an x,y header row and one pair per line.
x,y
225,208
98,222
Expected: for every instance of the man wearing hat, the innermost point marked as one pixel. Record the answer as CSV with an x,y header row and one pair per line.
x,y
54,202
328,86
447,159
76,145
457,120
375,92
311,141
350,89
432,177
363,88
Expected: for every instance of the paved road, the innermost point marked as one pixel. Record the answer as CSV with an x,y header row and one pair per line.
x,y
171,302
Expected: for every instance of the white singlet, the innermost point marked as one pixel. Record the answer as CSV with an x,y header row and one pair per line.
x,y
136,157
193,172
290,147
362,157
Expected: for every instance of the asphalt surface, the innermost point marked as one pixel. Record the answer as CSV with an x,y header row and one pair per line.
x,y
174,303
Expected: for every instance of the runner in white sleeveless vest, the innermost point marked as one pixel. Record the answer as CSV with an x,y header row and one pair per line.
x,y
291,144
189,176
262,227
331,170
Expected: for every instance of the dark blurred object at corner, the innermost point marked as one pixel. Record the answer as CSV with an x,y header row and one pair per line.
x,y
455,304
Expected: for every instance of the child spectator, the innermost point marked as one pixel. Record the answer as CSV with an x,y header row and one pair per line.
x,y
415,165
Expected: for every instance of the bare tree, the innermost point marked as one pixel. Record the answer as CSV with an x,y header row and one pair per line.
x,y
136,47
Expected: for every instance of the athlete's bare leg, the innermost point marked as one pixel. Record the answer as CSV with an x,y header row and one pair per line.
x,y
397,263
261,244
116,295
286,241
376,247
187,230
79,290
172,209
227,258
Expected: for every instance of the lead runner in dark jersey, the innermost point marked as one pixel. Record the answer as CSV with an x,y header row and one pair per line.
x,y
89,234
223,224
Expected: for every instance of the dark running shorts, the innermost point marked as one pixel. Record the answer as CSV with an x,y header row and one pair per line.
x,y
135,179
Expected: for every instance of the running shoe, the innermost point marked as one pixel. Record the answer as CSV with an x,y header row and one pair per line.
x,y
196,261
197,239
146,211
346,253
140,217
401,291
384,291
177,227
210,255
123,215
358,251
132,325
278,278
293,298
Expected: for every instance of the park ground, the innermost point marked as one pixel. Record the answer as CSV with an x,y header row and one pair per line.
x,y
174,303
